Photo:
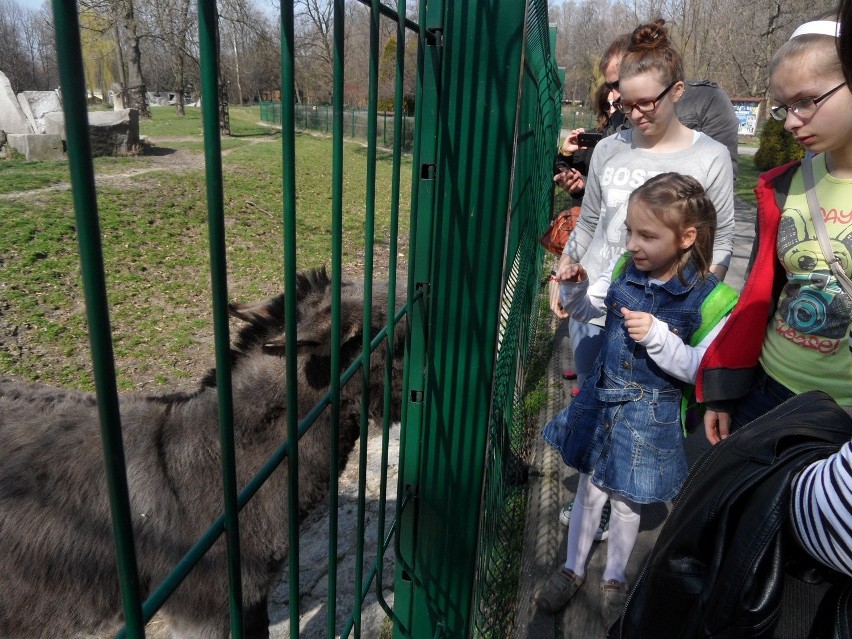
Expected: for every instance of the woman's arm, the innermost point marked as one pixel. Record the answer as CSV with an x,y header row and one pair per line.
x,y
584,230
720,190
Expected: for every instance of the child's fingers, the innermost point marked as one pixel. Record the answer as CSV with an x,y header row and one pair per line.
x,y
573,273
637,323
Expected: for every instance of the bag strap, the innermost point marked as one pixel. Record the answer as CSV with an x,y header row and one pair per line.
x,y
819,226
620,266
719,303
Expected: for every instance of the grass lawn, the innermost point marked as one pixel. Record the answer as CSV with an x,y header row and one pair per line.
x,y
153,218
746,179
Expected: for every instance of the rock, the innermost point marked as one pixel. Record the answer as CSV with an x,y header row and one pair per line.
x,y
314,561
35,146
35,104
110,132
12,117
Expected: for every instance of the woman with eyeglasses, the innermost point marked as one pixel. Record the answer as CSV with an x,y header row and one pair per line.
x,y
650,83
755,365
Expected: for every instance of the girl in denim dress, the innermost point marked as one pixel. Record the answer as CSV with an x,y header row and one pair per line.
x,y
623,431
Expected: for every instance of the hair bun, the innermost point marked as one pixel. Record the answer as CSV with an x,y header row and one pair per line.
x,y
649,35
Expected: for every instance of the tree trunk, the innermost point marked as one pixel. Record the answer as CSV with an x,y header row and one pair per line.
x,y
179,105
237,64
135,82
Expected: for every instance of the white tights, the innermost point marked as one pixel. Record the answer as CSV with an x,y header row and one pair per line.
x,y
585,517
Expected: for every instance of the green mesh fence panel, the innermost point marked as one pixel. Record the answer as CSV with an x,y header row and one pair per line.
x,y
482,140
510,429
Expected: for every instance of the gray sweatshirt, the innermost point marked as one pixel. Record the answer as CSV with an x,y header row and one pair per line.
x,y
617,168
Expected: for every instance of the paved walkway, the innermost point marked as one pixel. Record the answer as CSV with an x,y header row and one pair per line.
x,y
552,484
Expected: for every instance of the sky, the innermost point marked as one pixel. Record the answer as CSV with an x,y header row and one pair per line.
x,y
30,4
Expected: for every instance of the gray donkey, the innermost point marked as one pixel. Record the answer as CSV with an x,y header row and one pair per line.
x,y
57,560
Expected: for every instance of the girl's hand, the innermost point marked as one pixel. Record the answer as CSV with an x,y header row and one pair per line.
x,y
572,273
570,144
555,306
637,323
717,426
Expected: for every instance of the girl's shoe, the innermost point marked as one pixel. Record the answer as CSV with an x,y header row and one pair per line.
x,y
575,391
613,598
557,591
569,374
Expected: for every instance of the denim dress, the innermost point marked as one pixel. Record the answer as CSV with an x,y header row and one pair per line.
x,y
624,427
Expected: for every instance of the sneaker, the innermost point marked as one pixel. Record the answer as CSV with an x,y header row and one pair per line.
x,y
569,374
601,533
575,391
613,598
557,591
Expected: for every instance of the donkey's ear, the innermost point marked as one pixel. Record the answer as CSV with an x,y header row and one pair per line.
x,y
271,309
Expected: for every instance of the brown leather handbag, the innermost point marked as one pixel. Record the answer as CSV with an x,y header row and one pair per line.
x,y
556,236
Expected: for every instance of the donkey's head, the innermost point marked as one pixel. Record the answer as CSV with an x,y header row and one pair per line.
x,y
264,335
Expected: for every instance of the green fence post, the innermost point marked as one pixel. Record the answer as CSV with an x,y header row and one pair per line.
x,y
472,60
208,37
81,167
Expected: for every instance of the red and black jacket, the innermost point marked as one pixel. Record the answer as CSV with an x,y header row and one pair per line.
x,y
728,366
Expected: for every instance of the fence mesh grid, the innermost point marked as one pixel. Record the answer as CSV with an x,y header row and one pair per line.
x,y
510,429
504,497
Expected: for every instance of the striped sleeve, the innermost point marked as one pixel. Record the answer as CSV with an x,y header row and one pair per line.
x,y
822,510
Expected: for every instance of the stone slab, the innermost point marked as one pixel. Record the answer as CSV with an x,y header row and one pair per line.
x,y
37,146
36,103
12,117
110,132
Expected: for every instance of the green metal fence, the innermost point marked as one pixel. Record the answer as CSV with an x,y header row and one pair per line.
x,y
486,127
313,117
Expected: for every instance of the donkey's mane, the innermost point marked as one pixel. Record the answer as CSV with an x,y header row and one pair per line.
x,y
256,333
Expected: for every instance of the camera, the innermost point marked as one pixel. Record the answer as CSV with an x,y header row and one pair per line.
x,y
589,139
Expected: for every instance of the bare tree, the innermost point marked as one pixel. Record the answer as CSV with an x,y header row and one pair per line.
x,y
13,58
170,44
136,92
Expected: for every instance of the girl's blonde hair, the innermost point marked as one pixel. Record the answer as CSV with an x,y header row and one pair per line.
x,y
820,49
823,50
651,50
680,202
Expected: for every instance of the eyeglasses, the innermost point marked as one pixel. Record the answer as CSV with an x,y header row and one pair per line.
x,y
643,107
803,108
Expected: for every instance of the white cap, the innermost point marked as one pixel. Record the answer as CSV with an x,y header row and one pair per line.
x,y
818,27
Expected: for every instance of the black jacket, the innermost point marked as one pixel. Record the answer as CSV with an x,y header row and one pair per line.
x,y
719,566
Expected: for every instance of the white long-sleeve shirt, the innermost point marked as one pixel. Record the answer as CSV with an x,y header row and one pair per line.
x,y
585,302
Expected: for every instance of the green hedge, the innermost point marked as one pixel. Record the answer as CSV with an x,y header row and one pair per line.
x,y
777,146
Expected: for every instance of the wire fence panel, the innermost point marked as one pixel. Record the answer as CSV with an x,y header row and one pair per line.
x,y
355,123
460,313
510,426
